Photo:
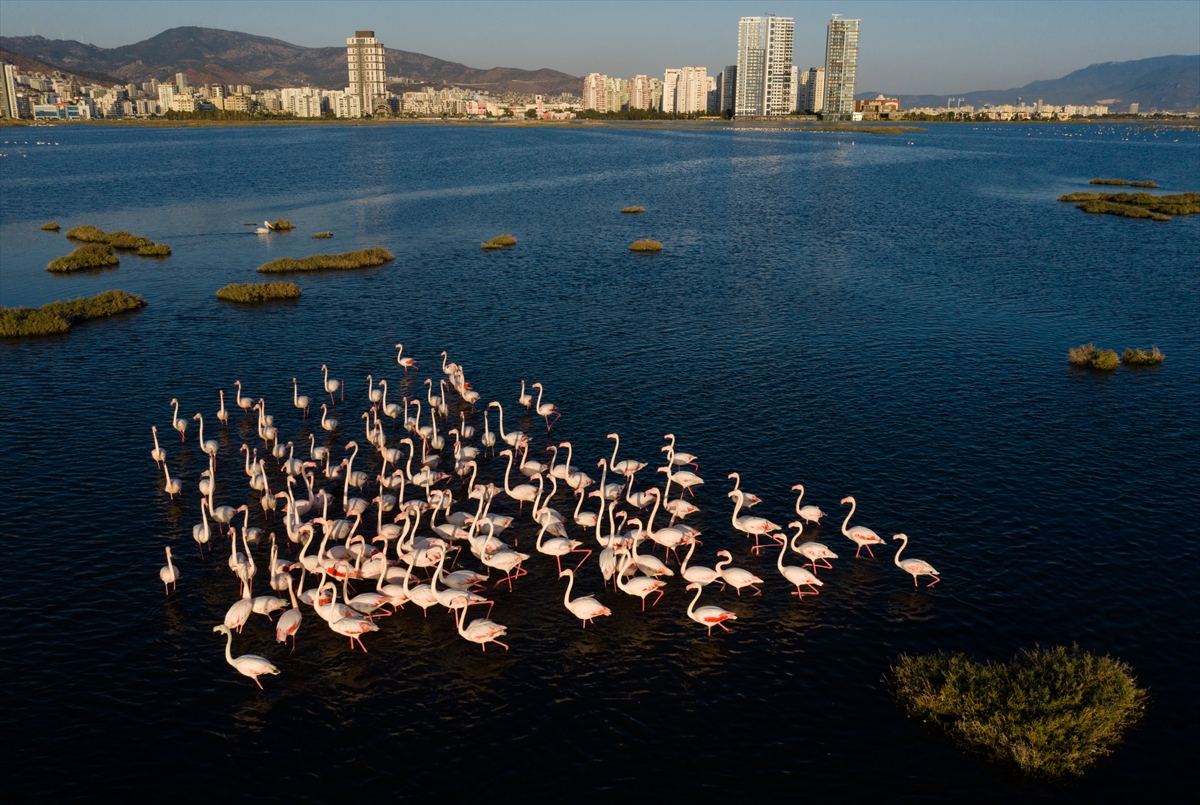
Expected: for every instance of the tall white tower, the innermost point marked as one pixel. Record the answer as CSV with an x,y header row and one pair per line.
x,y
841,66
764,66
368,71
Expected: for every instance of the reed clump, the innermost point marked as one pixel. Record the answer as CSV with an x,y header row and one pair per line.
x,y
645,245
322,236
499,242
57,317
51,227
88,257
1089,356
1051,712
633,210
1142,357
1136,205
366,258
255,292
1122,182
118,240
281,225
1143,184
87,234
154,250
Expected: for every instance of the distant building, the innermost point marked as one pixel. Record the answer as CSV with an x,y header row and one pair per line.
x,y
1133,108
764,66
877,106
712,95
8,93
685,90
728,88
368,70
61,111
641,93
239,103
841,66
811,95
594,95
181,84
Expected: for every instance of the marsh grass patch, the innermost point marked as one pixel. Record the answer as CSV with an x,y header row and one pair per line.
x,y
257,292
57,317
366,258
645,245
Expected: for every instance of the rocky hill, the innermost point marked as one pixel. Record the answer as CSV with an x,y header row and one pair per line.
x,y
210,55
1166,83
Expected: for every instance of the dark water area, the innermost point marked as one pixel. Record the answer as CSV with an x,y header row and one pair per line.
x,y
879,316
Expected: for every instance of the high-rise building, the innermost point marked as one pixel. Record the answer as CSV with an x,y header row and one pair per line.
x,y
670,96
616,91
685,90
728,88
8,93
764,66
594,94
841,66
811,95
712,101
641,93
368,69
181,84
796,87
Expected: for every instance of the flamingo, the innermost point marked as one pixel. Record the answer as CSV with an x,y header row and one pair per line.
x,y
245,403
525,399
513,437
289,622
210,447
736,577
171,487
407,363
797,575
547,409
709,616
585,607
641,586
177,422
373,394
488,439
250,665
481,630
677,457
330,385
697,574
685,479
625,467
351,626
237,615
860,535
158,454
812,551
169,574
810,514
751,525
298,399
917,567
327,422
200,531
222,414
558,547
521,492
751,500
465,430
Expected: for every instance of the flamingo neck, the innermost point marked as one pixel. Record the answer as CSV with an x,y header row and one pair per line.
x,y
692,606
846,522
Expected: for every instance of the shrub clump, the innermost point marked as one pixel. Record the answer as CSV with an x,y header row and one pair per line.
x,y
322,236
253,292
645,246
633,210
1051,712
57,317
1088,356
86,257
87,234
125,240
367,258
155,250
281,225
499,242
118,240
1142,357
51,227
1136,205
1122,182
1142,184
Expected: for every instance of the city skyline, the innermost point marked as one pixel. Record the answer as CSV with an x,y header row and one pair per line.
x,y
914,48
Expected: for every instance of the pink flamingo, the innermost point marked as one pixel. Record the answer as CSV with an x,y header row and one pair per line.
x,y
860,535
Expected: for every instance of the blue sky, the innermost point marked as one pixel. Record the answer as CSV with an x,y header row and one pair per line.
x,y
906,47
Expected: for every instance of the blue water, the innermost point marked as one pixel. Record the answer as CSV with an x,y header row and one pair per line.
x,y
878,316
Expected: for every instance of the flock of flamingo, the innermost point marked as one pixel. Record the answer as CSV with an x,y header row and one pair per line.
x,y
414,562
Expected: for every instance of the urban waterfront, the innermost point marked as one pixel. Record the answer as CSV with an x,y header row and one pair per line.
x,y
884,316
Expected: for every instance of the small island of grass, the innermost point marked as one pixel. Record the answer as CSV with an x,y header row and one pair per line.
x,y
117,240
51,227
88,257
1123,182
645,245
1136,205
57,317
322,236
1089,356
1050,712
255,292
499,242
367,258
281,225
633,210
1142,357
154,250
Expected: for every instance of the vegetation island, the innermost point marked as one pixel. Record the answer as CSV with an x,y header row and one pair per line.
x,y
88,257
57,317
633,210
1135,205
366,258
499,242
256,292
645,245
1050,712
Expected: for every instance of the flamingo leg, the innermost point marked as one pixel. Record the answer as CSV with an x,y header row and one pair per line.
x,y
256,682
936,579
660,595
503,644
868,547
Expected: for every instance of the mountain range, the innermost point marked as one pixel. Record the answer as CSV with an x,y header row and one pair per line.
x,y
213,56
1162,82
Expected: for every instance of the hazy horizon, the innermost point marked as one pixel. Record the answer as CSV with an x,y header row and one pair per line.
x,y
909,48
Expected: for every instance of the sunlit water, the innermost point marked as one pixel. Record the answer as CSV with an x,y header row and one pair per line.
x,y
878,316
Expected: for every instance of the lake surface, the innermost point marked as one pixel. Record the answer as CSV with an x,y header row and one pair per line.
x,y
878,316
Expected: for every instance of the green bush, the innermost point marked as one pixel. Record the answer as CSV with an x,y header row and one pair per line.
x,y
322,236
154,250
633,210
499,242
57,317
118,240
87,234
1088,356
645,246
253,292
1142,357
281,225
367,258
1050,712
125,240
51,227
1136,205
84,258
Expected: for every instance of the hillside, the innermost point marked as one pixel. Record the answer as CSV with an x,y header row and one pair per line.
x,y
35,66
1162,82
210,55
